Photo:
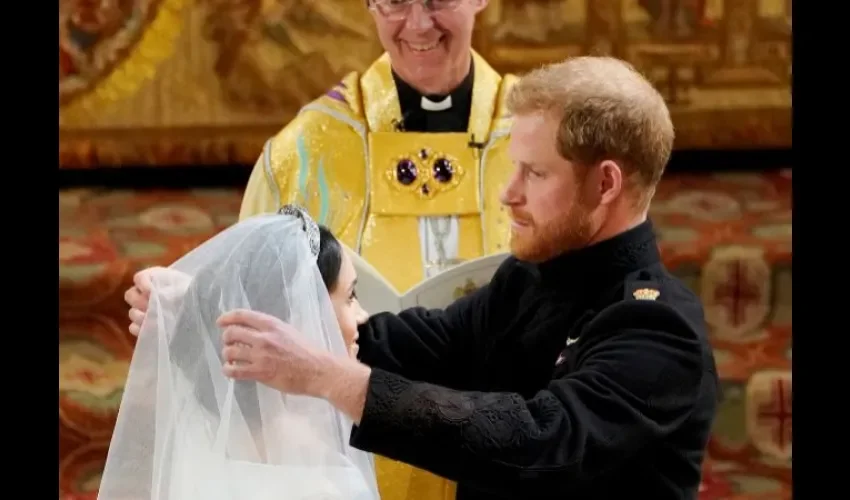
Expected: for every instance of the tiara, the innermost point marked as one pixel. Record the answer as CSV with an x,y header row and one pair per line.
x,y
308,225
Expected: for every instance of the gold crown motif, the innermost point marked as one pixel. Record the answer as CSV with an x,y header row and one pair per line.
x,y
646,294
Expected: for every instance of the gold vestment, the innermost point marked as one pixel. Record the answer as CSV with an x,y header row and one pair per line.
x,y
344,160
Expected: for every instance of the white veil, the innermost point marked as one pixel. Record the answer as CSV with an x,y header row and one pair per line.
x,y
187,432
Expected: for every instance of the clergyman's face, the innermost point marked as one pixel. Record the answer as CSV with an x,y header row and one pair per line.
x,y
347,308
546,196
425,45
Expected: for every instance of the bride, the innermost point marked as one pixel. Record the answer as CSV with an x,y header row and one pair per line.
x,y
184,430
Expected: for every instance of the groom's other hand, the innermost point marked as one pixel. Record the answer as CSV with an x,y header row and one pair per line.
x,y
137,297
170,283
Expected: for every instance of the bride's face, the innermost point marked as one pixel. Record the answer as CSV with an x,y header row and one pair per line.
x,y
346,306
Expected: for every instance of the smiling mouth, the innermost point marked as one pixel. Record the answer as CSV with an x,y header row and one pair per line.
x,y
424,47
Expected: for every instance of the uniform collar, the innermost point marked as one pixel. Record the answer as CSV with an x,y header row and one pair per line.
x,y
612,259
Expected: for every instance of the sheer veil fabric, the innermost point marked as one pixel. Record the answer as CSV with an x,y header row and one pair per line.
x,y
184,430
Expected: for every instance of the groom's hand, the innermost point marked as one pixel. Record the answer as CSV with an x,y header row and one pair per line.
x,y
137,297
260,347
170,284
263,348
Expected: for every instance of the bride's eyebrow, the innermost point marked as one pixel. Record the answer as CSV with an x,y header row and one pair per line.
x,y
353,284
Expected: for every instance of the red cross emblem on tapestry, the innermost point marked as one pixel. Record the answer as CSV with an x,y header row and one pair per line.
x,y
736,291
769,413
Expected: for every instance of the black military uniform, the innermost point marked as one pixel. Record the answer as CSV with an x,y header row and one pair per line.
x,y
586,377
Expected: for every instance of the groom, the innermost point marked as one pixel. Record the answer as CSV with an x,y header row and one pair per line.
x,y
583,370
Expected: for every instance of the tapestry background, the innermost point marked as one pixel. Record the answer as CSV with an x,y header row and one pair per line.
x,y
169,82
203,82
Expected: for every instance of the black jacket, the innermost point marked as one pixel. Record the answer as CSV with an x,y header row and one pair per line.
x,y
587,377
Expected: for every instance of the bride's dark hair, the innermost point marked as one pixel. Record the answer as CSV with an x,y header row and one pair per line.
x,y
329,260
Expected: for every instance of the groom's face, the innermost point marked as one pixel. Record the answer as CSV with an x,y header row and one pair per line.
x,y
548,197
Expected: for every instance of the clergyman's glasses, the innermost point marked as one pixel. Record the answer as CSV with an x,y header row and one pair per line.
x,y
398,9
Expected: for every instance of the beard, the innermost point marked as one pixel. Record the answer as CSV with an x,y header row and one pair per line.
x,y
539,243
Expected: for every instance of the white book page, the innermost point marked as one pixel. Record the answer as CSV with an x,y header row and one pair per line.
x,y
451,284
374,293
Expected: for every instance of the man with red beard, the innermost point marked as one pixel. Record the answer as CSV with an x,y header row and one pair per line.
x,y
583,370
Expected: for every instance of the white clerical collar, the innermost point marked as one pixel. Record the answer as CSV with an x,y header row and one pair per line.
x,y
429,105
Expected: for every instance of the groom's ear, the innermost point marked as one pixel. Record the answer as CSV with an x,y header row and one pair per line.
x,y
480,5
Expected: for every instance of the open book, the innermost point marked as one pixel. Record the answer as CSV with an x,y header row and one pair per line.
x,y
376,294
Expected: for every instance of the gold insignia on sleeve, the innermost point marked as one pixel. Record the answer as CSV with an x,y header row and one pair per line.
x,y
646,294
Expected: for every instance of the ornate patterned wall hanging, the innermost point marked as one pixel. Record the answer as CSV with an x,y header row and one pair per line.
x,y
207,81
723,65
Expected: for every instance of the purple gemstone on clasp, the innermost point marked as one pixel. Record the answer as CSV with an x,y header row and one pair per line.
x,y
405,171
443,170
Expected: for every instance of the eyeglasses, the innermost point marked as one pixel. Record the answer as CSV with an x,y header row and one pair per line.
x,y
399,9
